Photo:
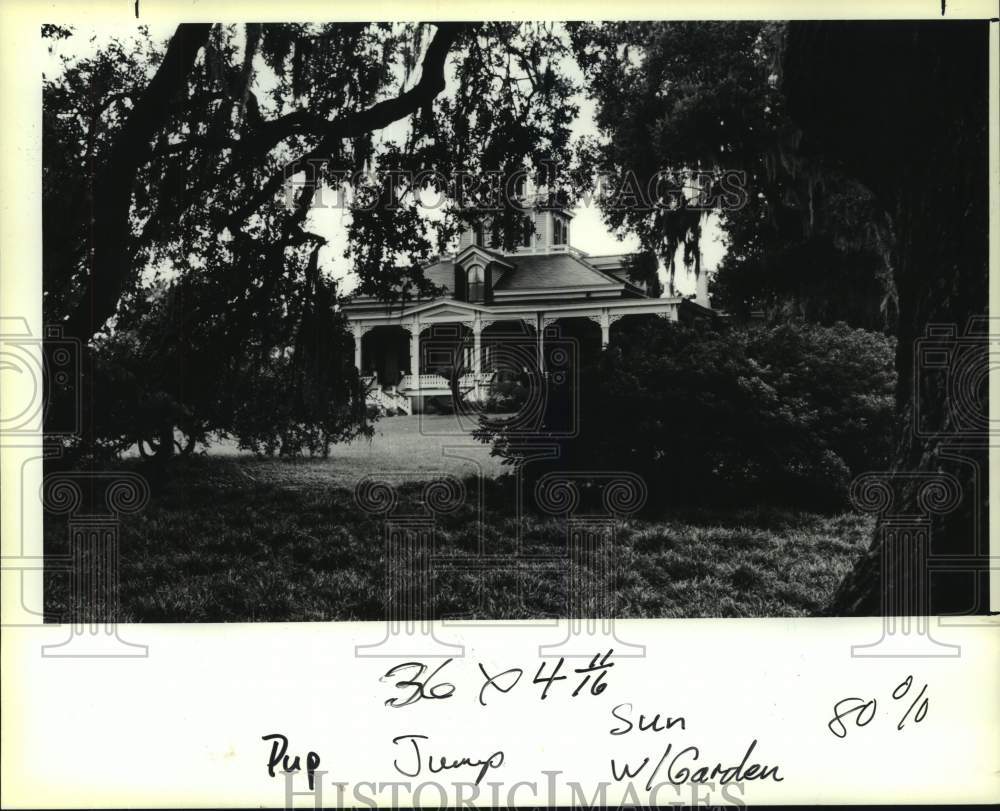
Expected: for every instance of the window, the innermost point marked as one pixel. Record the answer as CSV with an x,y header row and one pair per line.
x,y
477,234
526,232
559,236
476,283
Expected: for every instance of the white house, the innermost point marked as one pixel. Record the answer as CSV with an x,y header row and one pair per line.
x,y
497,311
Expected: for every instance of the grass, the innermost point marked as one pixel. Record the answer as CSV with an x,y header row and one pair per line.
x,y
415,448
230,538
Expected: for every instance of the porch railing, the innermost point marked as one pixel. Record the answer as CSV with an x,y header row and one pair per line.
x,y
435,382
423,381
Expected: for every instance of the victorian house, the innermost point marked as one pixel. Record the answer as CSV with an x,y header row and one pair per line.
x,y
501,312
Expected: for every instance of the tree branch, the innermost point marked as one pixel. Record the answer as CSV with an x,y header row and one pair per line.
x,y
351,125
111,260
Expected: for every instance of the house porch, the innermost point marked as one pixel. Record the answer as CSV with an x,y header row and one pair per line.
x,y
410,356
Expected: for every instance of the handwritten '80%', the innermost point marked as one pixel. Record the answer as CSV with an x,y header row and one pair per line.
x,y
862,711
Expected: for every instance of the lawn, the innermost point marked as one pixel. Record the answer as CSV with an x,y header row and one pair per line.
x,y
231,538
418,447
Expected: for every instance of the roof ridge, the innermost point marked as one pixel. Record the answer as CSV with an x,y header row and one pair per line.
x,y
601,272
495,254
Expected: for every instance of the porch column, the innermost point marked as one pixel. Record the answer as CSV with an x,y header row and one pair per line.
x,y
358,334
605,323
539,329
477,357
414,350
477,345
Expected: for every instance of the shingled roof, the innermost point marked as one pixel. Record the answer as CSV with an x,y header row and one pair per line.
x,y
533,271
552,270
441,273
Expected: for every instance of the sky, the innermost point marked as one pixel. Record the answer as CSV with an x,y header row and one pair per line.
x,y
588,232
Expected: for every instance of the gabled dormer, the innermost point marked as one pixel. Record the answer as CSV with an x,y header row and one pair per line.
x,y
477,270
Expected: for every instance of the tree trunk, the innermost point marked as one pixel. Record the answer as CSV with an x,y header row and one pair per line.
x,y
166,450
111,259
904,107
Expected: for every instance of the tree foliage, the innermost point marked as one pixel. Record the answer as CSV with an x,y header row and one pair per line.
x,y
903,107
188,354
700,102
193,169
258,106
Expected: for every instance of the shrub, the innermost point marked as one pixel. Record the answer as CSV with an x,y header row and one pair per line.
x,y
783,415
439,405
507,395
182,359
